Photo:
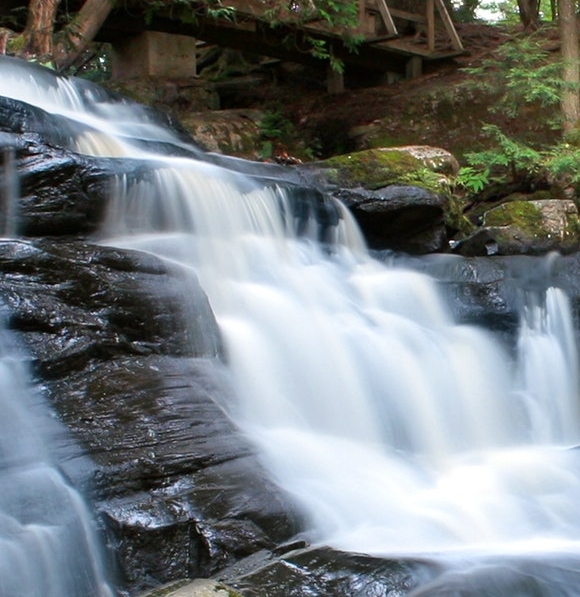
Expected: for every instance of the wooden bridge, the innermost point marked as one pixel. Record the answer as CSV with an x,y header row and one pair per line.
x,y
393,38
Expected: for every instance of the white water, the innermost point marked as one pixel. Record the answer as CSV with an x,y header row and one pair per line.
x,y
398,430
48,546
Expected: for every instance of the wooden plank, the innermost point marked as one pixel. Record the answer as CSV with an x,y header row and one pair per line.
x,y
449,26
407,16
379,38
404,47
387,18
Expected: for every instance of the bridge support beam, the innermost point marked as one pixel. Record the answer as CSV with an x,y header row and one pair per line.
x,y
154,54
334,82
414,67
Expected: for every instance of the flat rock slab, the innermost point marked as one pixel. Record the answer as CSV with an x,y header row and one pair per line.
x,y
198,588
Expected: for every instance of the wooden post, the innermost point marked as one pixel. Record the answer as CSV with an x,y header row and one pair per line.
x,y
430,15
414,67
366,22
334,82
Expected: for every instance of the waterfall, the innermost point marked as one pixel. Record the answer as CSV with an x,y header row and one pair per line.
x,y
48,546
397,429
549,368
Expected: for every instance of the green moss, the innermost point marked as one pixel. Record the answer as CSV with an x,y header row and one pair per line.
x,y
572,227
523,215
384,139
455,219
15,44
372,169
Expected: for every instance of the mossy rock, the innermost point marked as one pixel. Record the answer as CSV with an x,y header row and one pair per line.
x,y
527,227
525,216
377,168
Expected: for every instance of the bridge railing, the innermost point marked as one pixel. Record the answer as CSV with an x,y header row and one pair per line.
x,y
380,22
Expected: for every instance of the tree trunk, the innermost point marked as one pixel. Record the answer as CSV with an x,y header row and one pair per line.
x,y
529,14
75,37
5,36
39,29
571,61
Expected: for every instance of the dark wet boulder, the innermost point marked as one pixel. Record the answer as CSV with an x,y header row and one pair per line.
x,y
491,291
325,572
59,192
137,376
296,570
179,488
73,302
398,195
399,217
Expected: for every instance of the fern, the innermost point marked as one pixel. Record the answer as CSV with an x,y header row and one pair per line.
x,y
523,72
509,156
472,179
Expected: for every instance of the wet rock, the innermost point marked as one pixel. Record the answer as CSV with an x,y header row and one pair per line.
x,y
398,195
72,302
490,291
59,192
177,498
137,378
401,218
201,587
325,572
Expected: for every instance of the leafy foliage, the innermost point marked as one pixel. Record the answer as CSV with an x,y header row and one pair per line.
x,y
523,72
512,161
275,126
338,15
277,132
508,160
95,64
506,153
188,11
472,179
562,163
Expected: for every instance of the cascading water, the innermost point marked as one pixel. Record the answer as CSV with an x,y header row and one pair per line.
x,y
48,547
399,431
